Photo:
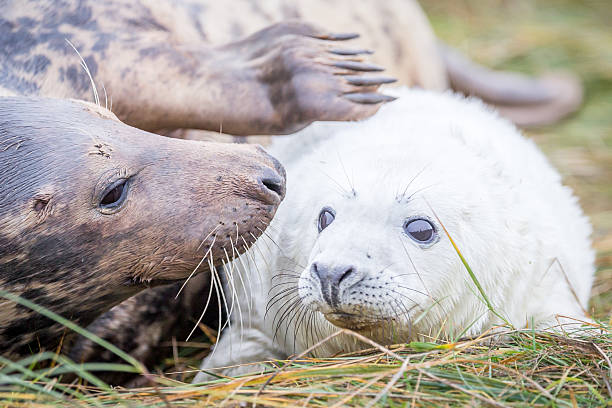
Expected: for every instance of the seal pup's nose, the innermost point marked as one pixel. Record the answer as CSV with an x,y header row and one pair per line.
x,y
333,279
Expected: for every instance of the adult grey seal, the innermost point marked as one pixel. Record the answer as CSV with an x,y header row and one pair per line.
x,y
92,211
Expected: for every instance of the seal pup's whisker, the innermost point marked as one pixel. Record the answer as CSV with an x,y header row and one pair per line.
x,y
401,304
400,197
414,290
420,190
414,267
284,309
304,312
286,272
278,298
278,285
356,276
342,191
350,182
285,275
404,274
291,314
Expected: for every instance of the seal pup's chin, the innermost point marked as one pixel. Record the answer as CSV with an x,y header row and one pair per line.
x,y
354,322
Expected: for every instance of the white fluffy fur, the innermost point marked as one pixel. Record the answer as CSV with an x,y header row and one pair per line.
x,y
518,227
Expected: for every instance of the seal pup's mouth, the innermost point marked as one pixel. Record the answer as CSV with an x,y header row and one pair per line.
x,y
352,321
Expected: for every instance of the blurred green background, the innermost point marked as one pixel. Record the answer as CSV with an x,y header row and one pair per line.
x,y
544,35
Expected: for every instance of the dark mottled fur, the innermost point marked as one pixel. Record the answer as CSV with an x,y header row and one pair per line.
x,y
148,322
156,64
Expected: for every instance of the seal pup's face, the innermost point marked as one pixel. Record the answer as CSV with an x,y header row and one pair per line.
x,y
362,273
93,210
378,255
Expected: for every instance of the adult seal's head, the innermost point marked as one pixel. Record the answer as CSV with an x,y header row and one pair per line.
x,y
91,214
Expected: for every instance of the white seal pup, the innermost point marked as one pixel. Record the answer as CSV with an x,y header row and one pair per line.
x,y
363,238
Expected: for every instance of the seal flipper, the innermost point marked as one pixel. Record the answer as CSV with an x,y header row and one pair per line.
x,y
526,101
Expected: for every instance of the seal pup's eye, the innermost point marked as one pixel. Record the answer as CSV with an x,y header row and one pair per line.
x,y
420,230
326,217
114,196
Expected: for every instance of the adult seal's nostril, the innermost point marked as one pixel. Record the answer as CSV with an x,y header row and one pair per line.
x,y
332,278
274,162
273,185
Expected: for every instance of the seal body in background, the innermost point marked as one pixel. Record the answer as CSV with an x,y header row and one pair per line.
x,y
363,238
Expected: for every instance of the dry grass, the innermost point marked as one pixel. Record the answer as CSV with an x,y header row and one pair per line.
x,y
524,369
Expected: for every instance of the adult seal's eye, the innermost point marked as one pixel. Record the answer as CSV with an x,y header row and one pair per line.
x,y
114,196
420,230
326,217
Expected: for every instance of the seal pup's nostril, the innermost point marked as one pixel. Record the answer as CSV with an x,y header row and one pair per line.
x,y
331,279
344,275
